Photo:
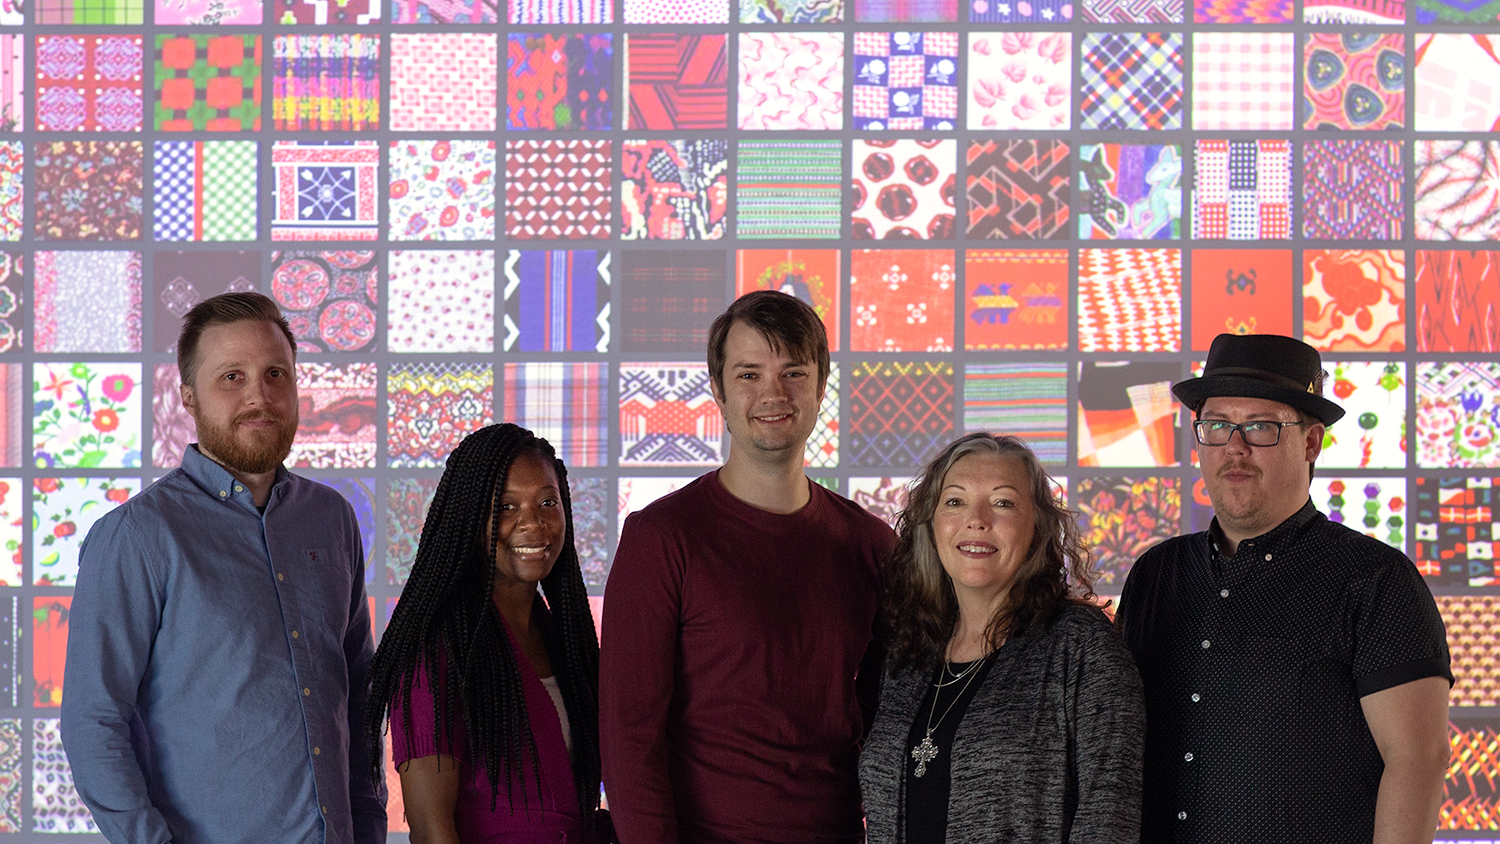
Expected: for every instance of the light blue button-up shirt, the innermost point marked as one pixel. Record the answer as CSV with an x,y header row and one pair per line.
x,y
216,666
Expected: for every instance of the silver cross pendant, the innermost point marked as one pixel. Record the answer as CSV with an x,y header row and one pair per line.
x,y
924,753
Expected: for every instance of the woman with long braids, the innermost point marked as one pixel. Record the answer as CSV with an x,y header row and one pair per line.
x,y
492,692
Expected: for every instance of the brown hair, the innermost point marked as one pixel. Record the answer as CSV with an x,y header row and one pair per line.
x,y
919,607
224,309
789,325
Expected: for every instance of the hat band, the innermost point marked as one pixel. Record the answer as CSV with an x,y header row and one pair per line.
x,y
1263,375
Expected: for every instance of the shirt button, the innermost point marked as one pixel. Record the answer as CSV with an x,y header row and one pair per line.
x,y
1182,816
306,691
238,488
1186,757
1196,697
280,576
223,493
1223,593
295,634
325,809
1268,558
318,751
1205,644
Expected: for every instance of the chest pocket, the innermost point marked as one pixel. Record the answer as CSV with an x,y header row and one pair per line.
x,y
327,579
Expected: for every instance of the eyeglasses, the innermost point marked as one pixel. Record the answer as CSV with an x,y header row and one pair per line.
x,y
1261,434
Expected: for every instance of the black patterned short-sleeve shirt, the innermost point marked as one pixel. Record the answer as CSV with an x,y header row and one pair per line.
x,y
1253,667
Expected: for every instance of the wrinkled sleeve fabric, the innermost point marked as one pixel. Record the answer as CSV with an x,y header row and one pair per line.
x,y
1108,713
117,607
366,793
637,662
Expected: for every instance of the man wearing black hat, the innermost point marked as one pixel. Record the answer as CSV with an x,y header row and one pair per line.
x,y
1296,672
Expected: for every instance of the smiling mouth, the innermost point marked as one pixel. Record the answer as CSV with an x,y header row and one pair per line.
x,y
777,418
528,549
972,548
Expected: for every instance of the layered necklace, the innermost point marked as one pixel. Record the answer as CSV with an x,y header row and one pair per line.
x,y
926,750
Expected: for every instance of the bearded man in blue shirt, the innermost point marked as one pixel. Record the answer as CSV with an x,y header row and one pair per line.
x,y
220,634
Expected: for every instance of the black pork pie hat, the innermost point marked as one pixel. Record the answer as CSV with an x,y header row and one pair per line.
x,y
1261,366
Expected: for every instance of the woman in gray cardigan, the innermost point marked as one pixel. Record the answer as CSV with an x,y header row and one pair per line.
x,y
1010,710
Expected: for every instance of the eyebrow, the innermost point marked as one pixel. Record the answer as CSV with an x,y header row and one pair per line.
x,y
992,489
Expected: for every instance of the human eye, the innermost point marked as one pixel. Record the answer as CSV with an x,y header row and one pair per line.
x,y
953,501
1257,427
1005,503
1217,425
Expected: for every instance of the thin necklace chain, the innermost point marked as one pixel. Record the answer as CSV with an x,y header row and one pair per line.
x,y
948,671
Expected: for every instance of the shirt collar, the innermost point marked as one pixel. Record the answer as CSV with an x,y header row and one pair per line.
x,y
217,482
1270,542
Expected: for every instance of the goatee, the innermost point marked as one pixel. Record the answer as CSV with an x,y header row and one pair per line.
x,y
255,451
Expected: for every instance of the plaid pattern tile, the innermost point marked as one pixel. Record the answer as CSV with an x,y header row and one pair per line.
x,y
1243,80
565,403
1132,80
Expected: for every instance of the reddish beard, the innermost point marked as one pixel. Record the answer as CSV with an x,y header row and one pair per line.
x,y
253,451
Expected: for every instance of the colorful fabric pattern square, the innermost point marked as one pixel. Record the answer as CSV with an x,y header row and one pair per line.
x,y
336,428
432,407
49,648
328,298
12,192
1026,400
123,12
1351,190
1457,192
669,299
1241,291
406,510
1131,80
1458,301
1020,80
898,412
62,511
1243,11
557,190
906,11
557,301
205,190
86,415
788,189
791,80
592,508
1243,80
172,428
1473,648
791,11
883,498
1129,11
668,417
1354,81
1128,192
12,538
55,805
85,190
905,80
675,11
811,275
445,11
1018,190
326,190
1025,11
1457,11
442,190
1375,507
1356,12
208,83
1354,300
181,280
1016,299
1456,409
321,13
10,679
556,82
1458,82
84,83
1455,532
15,301
443,82
903,189
207,12
822,449
87,302
677,80
1130,300
901,300
560,11
441,301
1373,395
1243,190
13,84
326,83
565,403
1127,415
1121,518
673,190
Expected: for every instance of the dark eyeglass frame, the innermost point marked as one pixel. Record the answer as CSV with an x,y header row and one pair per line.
x,y
1199,423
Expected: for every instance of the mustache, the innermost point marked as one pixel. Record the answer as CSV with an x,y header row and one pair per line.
x,y
1242,469
258,416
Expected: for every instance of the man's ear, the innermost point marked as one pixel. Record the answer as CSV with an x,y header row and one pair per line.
x,y
189,401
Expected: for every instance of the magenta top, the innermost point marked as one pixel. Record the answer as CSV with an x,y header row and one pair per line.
x,y
554,818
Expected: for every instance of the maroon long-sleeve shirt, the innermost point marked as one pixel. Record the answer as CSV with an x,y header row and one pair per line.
x,y
731,646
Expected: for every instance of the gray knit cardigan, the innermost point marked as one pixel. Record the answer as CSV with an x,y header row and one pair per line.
x,y
1049,751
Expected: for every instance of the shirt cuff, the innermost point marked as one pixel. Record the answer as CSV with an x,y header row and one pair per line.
x,y
1395,675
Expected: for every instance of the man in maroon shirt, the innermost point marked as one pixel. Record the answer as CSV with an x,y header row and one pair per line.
x,y
740,616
